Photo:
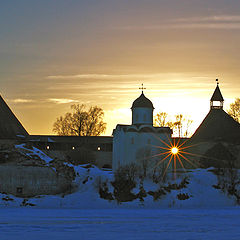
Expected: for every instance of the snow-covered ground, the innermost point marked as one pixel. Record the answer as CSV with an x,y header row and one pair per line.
x,y
206,214
200,190
30,152
103,224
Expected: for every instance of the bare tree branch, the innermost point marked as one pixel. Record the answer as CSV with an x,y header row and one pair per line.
x,y
80,122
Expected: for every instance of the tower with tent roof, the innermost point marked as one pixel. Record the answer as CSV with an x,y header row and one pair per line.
x,y
217,139
216,101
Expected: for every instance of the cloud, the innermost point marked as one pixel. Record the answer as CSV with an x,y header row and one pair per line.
x,y
104,76
224,26
61,100
21,100
126,84
216,18
129,78
224,22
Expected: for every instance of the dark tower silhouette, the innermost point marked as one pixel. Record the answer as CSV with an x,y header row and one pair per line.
x,y
217,100
217,125
10,126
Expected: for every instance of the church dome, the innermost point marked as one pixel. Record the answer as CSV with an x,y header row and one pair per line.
x,y
142,102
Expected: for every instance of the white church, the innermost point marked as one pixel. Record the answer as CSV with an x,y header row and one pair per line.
x,y
140,143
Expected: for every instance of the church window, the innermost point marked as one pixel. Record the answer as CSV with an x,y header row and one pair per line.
x,y
132,140
145,117
136,117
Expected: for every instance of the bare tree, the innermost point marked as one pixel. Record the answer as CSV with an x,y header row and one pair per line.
x,y
62,125
180,125
161,119
234,110
80,122
188,123
95,126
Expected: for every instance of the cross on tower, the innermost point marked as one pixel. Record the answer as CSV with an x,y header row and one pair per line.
x,y
142,88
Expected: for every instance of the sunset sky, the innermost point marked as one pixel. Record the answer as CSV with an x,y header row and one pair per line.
x,y
98,52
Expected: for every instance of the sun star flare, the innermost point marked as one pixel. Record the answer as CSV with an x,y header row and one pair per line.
x,y
174,150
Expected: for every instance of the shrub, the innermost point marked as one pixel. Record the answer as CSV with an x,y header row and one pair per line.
x,y
124,182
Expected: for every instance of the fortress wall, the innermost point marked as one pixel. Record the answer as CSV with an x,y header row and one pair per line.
x,y
103,159
199,150
90,149
99,158
27,181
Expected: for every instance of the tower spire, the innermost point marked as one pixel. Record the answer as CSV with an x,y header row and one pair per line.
x,y
217,100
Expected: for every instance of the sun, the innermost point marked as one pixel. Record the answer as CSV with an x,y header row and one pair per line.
x,y
174,150
175,154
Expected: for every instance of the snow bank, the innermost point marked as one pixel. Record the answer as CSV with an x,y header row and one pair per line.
x,y
199,189
33,152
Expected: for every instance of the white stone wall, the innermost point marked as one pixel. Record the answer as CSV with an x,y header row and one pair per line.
x,y
138,146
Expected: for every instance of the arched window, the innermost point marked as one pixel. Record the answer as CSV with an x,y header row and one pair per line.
x,y
132,140
144,117
136,117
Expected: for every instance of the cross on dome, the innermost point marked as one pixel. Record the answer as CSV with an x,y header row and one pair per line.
x,y
142,88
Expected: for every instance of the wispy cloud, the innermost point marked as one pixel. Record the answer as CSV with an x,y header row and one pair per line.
x,y
21,100
215,18
205,22
124,83
105,76
207,26
61,100
127,78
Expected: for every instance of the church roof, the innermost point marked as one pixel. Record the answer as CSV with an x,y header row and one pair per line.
x,y
10,127
217,126
142,102
217,96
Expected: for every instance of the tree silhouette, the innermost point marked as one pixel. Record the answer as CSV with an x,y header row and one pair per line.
x,y
161,119
81,122
180,125
234,110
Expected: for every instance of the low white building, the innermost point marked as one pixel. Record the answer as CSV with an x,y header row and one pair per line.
x,y
141,143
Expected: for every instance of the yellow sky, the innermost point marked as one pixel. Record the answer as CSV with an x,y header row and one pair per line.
x,y
192,101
